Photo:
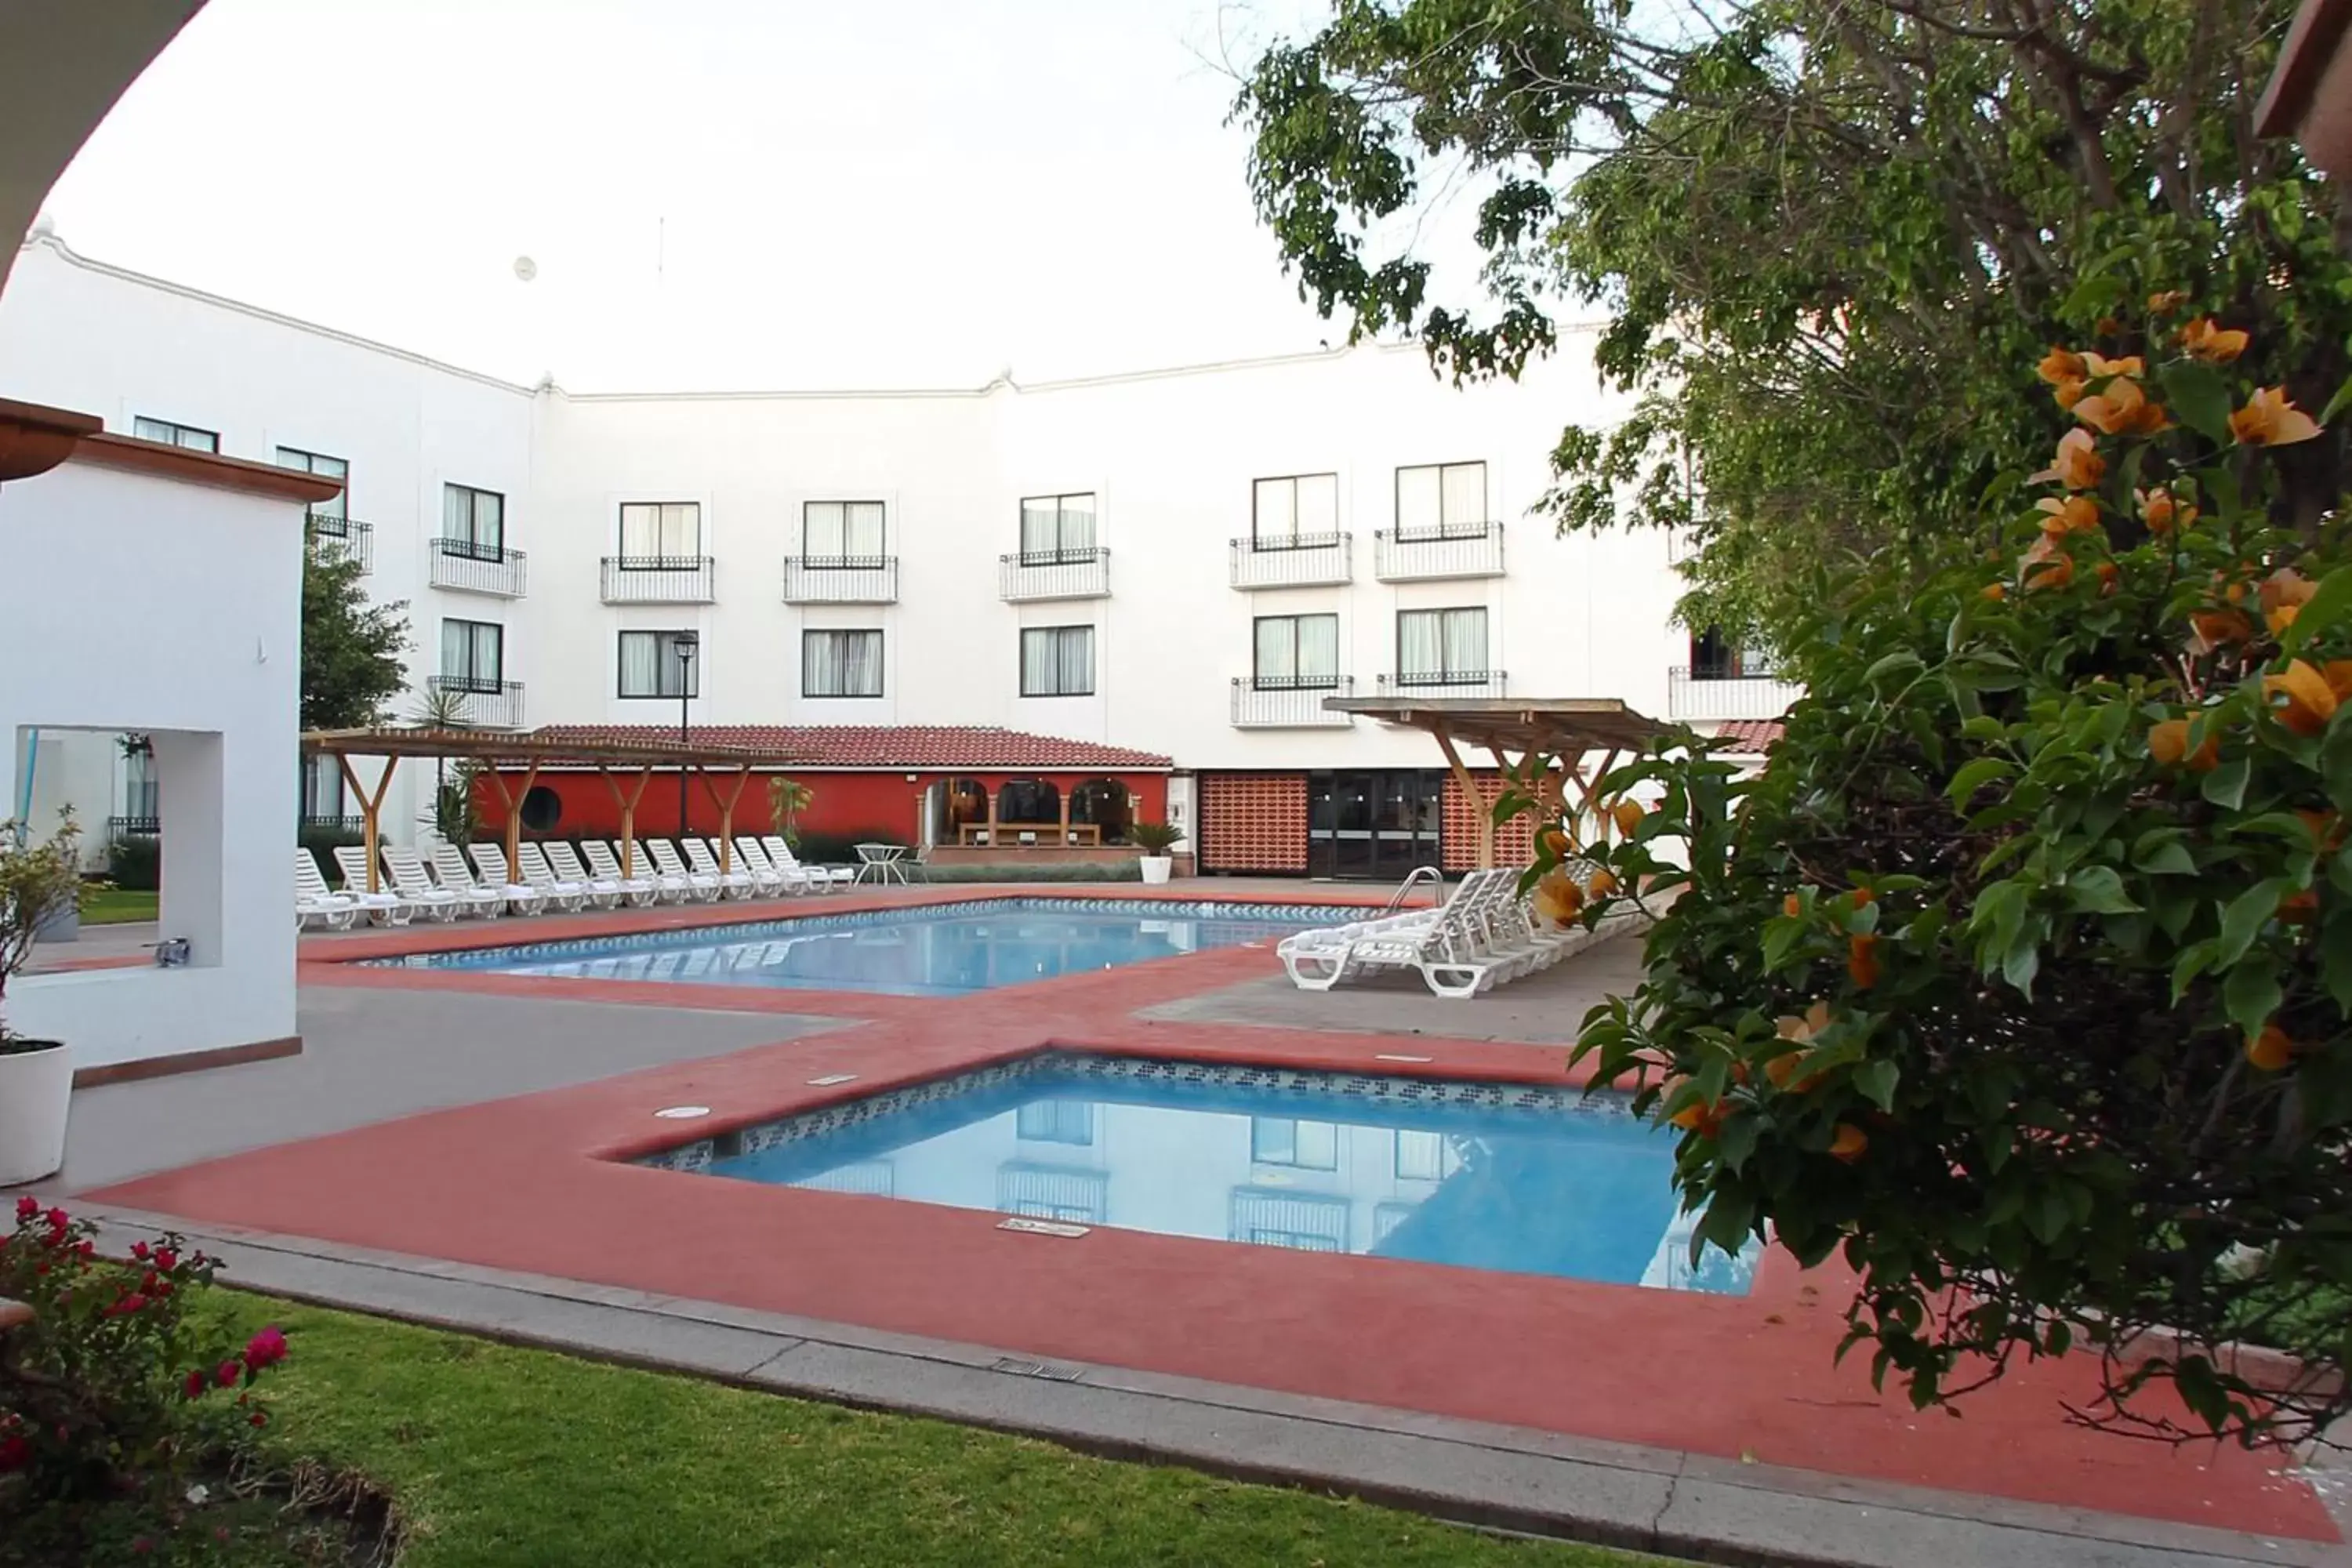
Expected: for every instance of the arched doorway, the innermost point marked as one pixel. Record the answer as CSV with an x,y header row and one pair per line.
x,y
963,804
1105,804
1024,805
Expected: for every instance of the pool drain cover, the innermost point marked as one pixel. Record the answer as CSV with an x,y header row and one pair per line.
x,y
682,1112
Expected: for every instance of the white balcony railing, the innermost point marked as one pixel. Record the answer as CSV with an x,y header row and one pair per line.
x,y
1701,698
472,568
841,579
1305,560
1054,575
1409,555
1297,704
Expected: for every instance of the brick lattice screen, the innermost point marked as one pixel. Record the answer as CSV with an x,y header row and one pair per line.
x,y
1253,822
1514,841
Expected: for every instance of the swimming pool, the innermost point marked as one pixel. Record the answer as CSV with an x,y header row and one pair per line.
x,y
944,950
1527,1179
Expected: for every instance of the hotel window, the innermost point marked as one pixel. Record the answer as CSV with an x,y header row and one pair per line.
x,y
1440,647
172,435
1057,661
654,534
1443,500
1056,1122
328,516
651,667
1298,653
841,533
1056,529
473,655
473,523
837,663
1420,1156
1297,510
1284,1141
1713,657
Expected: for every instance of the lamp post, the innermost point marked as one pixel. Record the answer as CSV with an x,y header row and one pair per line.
x,y
683,646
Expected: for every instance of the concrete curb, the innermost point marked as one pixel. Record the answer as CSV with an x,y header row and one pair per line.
x,y
1500,1477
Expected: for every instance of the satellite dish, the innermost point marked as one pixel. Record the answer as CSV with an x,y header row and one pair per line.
x,y
525,268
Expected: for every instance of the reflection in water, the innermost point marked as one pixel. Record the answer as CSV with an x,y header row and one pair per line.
x,y
1581,1192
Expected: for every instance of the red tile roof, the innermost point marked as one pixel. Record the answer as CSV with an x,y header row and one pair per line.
x,y
1749,734
928,746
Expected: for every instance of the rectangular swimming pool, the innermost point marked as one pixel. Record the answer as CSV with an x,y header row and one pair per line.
x,y
1528,1179
945,950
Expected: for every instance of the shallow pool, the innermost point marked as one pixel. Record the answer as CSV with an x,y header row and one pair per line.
x,y
1525,1179
949,950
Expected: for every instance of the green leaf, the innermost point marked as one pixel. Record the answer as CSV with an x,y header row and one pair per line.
x,y
2165,857
2336,965
2320,613
2225,786
2250,995
2198,397
2021,963
1894,663
2242,921
2338,403
1875,1081
2098,890
1974,776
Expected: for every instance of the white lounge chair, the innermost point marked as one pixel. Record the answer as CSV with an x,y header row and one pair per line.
x,y
563,860
408,875
824,879
734,882
1319,958
312,902
383,908
562,892
449,868
785,879
350,860
700,888
489,868
637,884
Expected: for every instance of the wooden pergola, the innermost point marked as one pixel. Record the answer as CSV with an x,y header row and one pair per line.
x,y
724,771
1520,732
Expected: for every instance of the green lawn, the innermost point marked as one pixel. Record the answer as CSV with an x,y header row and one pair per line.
x,y
113,906
513,1458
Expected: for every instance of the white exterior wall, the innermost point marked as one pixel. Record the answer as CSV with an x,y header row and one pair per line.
x,y
197,645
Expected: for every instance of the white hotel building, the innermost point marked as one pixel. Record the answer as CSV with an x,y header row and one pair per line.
x,y
1179,562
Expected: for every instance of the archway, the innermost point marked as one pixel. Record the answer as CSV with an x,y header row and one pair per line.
x,y
1028,802
1105,804
963,804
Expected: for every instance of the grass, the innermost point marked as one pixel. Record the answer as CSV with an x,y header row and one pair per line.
x,y
115,906
518,1458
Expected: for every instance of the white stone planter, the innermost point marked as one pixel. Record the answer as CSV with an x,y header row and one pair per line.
x,y
35,1087
1156,868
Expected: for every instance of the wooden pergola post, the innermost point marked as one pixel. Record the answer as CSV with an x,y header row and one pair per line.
x,y
726,804
628,804
513,801
371,810
1486,818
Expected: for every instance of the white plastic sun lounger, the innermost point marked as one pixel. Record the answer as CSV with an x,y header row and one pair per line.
x,y
824,879
783,878
383,908
579,891
700,888
408,875
637,886
449,868
490,860
735,882
351,861
525,897
1319,958
312,902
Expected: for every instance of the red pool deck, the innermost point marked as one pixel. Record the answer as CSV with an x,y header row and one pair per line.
x,y
535,1184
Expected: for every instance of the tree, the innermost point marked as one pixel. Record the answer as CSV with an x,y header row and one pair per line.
x,y
1832,236
353,651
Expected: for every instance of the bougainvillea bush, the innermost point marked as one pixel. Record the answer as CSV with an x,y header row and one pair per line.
x,y
2020,975
113,1389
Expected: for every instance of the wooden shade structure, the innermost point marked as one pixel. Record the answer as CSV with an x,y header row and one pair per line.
x,y
635,760
1567,728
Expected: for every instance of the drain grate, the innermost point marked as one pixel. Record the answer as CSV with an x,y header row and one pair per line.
x,y
1044,1368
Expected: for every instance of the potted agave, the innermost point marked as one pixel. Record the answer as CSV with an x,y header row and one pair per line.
x,y
39,882
1155,839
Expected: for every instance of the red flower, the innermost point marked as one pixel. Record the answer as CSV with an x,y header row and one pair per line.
x,y
259,1418
142,1546
59,1219
149,1282
226,1374
267,1348
138,1250
194,1386
27,1207
124,1306
15,1453
86,1249
167,1259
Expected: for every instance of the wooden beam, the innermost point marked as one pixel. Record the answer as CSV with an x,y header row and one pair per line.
x,y
514,803
726,804
627,802
370,810
1469,786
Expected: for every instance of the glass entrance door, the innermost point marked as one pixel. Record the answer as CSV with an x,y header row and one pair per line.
x,y
1374,824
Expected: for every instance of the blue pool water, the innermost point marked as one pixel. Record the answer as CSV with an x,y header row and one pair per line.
x,y
947,951
1529,1180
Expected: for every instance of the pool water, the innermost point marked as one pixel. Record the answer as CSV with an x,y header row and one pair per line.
x,y
1528,1180
946,950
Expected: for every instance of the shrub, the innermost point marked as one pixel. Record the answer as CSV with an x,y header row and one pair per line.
x,y
1154,838
135,863
38,882
2021,974
323,841
1114,871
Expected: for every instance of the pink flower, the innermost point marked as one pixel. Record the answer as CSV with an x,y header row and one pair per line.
x,y
194,1386
226,1374
126,1305
267,1348
259,1418
59,1219
27,1207
167,1259
15,1453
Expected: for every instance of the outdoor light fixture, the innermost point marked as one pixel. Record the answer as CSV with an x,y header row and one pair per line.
x,y
683,646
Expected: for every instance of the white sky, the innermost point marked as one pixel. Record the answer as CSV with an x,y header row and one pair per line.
x,y
888,192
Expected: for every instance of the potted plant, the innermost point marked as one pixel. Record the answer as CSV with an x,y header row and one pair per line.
x,y
37,882
1155,839
787,798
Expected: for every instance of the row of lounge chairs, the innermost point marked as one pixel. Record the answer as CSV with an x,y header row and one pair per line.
x,y
554,875
1484,935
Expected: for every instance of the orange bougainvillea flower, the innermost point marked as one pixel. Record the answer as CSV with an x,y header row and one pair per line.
x,y
2110,578
2107,327
1863,896
2123,409
1557,899
1784,1072
1704,1116
1793,906
2299,909
2218,628
2162,510
2167,301
2044,565
1993,591
2327,829
1602,884
1848,1144
2269,1049
2216,345
2338,673
1553,842
1627,814
2078,465
2268,419
2285,589
2060,366
2075,514
2310,702
2095,365
1861,958
2067,394
2168,742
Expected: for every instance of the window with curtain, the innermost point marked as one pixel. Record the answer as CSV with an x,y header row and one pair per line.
x,y
1056,1122
1057,661
1420,1156
1056,529
1440,647
172,435
473,523
1298,653
328,516
842,533
473,655
1441,501
659,533
841,663
1284,1141
323,787
1294,510
651,665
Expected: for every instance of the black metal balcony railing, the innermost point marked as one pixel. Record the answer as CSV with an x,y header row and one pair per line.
x,y
134,827
1403,554
1294,561
315,824
344,536
472,568
1445,683
657,579
1290,701
485,704
841,579
1713,694
1054,575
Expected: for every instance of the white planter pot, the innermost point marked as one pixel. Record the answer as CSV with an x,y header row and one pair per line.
x,y
35,1087
1156,868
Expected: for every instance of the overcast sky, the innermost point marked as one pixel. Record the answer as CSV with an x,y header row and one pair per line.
x,y
715,193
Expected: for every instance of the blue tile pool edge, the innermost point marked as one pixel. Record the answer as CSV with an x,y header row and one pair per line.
x,y
696,1155
1304,914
